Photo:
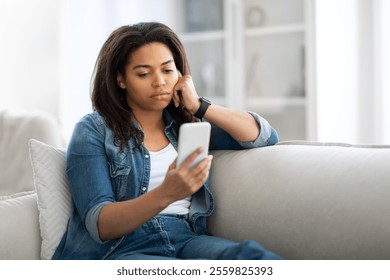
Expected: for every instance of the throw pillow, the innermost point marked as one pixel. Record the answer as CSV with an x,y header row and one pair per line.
x,y
53,194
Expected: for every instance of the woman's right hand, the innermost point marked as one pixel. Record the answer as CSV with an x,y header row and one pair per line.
x,y
182,182
122,217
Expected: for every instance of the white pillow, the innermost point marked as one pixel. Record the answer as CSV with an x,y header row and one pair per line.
x,y
53,194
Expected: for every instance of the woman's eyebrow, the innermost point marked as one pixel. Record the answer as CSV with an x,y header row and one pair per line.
x,y
167,62
148,66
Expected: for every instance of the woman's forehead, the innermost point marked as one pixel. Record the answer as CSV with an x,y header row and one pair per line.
x,y
151,54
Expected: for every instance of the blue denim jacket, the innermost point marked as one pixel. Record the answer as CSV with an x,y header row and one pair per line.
x,y
99,174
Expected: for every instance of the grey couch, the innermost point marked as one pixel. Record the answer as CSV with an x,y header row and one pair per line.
x,y
306,200
301,200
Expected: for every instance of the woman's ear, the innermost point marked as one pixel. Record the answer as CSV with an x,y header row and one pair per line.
x,y
120,81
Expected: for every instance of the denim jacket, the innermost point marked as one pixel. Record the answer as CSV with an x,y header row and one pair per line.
x,y
99,174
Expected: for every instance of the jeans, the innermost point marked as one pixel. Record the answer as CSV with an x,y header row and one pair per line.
x,y
170,237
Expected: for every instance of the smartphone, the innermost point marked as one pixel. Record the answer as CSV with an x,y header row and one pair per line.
x,y
191,137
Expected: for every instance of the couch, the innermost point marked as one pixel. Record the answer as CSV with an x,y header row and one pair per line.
x,y
302,200
19,225
16,128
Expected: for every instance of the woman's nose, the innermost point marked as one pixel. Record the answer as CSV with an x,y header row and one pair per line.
x,y
158,81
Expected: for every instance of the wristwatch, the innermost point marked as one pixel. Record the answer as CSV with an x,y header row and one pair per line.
x,y
204,104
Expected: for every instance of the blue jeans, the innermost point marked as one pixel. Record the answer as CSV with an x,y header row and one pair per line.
x,y
170,237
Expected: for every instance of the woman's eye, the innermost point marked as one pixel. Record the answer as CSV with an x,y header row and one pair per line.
x,y
168,70
143,75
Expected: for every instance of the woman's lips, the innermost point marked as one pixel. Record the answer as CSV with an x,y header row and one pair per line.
x,y
161,95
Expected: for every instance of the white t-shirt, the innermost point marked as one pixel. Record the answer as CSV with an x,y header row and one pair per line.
x,y
160,161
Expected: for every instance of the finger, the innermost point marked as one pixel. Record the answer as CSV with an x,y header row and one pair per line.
x,y
177,91
202,167
201,178
177,97
189,160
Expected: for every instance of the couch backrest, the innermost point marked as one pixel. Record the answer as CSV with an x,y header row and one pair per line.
x,y
16,128
306,200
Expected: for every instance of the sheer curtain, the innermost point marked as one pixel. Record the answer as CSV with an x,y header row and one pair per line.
x,y
29,63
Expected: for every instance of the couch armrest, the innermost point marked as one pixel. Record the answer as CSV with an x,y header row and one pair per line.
x,y
305,201
19,227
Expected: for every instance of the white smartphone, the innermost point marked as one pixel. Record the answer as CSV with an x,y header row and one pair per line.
x,y
191,137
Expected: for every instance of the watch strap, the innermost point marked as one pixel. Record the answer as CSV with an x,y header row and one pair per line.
x,y
204,105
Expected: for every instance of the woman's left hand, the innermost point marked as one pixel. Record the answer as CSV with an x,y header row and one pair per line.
x,y
184,94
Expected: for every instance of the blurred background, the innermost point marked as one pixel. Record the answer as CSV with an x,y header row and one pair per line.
x,y
316,69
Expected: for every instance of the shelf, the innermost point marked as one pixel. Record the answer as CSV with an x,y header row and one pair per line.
x,y
202,36
258,68
275,30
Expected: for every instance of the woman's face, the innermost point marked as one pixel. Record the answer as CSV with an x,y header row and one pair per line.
x,y
150,77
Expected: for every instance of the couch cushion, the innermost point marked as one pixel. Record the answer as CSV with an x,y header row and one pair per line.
x,y
54,198
19,228
16,128
15,195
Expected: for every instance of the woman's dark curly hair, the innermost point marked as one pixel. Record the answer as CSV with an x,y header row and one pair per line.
x,y
109,99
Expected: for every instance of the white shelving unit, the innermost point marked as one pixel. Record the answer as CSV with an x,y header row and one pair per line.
x,y
276,58
254,57
273,30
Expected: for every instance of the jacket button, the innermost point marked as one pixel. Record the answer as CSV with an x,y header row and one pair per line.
x,y
144,189
146,156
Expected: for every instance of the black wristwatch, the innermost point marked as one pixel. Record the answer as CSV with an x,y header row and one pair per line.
x,y
204,104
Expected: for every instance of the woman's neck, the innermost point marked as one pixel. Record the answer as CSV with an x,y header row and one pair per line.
x,y
149,121
152,125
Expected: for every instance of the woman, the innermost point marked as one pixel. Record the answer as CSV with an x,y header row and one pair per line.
x,y
131,202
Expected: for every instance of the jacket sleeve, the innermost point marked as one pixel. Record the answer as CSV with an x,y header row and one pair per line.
x,y
221,140
88,173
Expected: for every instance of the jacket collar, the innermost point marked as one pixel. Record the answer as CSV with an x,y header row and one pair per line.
x,y
170,125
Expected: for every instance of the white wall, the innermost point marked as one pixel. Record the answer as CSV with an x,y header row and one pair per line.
x,y
382,68
85,25
337,70
351,90
29,56
48,49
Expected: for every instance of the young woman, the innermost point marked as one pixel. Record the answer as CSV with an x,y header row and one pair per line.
x,y
131,202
